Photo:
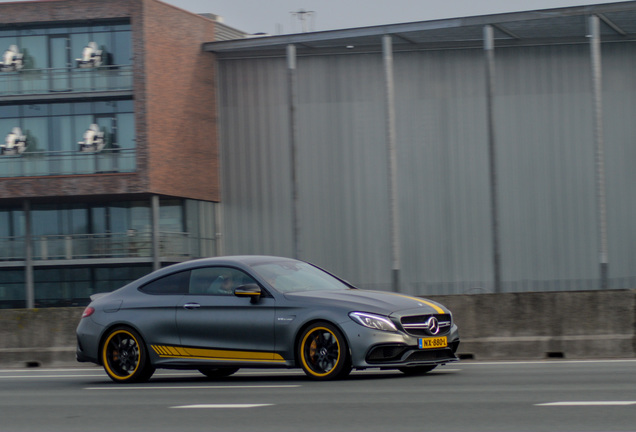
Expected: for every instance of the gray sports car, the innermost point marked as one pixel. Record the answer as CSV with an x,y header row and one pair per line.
x,y
217,315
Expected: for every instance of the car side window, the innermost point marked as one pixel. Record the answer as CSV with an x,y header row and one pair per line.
x,y
176,283
217,280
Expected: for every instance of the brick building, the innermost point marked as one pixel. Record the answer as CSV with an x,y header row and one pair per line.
x,y
109,160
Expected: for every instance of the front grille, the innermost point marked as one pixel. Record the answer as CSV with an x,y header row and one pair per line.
x,y
416,325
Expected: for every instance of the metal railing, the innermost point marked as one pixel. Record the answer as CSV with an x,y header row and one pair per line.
x,y
29,164
95,246
45,81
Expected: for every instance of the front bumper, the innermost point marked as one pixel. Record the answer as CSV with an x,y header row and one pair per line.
x,y
387,350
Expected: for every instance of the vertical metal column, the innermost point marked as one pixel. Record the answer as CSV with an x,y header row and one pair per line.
x,y
599,144
154,207
391,140
28,256
489,49
293,142
219,228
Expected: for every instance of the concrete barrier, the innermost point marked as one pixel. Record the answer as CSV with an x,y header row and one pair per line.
x,y
571,325
38,337
511,326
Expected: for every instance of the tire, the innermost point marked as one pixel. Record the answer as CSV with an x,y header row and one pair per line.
x,y
323,353
220,372
125,357
417,370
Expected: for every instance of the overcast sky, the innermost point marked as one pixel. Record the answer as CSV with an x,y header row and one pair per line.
x,y
274,16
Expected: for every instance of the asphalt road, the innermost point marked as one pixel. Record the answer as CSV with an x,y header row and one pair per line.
x,y
466,396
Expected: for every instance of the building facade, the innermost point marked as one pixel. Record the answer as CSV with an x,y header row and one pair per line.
x,y
109,164
469,155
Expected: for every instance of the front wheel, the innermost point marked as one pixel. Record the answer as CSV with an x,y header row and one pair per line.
x,y
323,352
125,357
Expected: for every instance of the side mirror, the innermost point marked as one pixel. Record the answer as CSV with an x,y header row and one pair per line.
x,y
252,291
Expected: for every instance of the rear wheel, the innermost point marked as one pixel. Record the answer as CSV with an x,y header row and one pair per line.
x,y
125,357
323,352
417,370
220,372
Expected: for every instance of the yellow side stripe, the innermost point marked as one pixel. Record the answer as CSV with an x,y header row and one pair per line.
x,y
210,354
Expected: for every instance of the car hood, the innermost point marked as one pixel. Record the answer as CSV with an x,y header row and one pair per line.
x,y
380,302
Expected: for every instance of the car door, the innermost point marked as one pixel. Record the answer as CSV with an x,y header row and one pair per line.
x,y
213,323
154,308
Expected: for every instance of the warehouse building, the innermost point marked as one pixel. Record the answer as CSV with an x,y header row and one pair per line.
x,y
470,155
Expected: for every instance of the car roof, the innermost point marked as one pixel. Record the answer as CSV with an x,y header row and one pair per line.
x,y
238,259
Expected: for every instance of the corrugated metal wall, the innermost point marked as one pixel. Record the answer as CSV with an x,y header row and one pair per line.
x,y
545,157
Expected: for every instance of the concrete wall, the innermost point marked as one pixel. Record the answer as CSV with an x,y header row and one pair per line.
x,y
510,326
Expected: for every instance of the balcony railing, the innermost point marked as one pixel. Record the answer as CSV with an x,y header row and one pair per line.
x,y
47,81
67,163
96,246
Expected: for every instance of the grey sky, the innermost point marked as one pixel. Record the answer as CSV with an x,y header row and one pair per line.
x,y
274,17
270,16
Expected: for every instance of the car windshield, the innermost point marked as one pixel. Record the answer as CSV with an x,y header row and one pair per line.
x,y
295,276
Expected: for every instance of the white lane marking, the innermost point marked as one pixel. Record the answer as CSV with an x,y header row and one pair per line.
x,y
589,403
51,376
524,362
192,387
37,369
91,375
222,406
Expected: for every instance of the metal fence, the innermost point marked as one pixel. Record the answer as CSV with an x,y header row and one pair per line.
x,y
44,81
109,160
95,246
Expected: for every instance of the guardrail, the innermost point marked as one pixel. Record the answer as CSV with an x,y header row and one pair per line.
x,y
47,163
55,80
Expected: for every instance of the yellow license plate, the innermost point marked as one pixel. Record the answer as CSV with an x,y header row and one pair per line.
x,y
432,343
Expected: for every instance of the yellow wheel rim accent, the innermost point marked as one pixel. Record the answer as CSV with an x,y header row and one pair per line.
x,y
312,348
106,358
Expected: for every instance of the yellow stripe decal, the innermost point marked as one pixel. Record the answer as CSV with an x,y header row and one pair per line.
x,y
210,354
420,300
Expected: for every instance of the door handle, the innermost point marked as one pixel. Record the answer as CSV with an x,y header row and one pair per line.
x,y
191,306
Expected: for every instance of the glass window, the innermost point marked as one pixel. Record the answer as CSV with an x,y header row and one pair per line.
x,y
35,110
34,50
217,280
12,292
110,278
6,42
78,42
9,111
61,108
122,51
58,51
36,130
293,276
140,217
6,126
107,107
171,216
176,283
62,286
125,130
103,41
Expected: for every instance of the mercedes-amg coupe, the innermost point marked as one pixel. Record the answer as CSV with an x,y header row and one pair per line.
x,y
217,315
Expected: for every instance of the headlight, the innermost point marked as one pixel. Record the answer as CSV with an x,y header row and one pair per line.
x,y
375,322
